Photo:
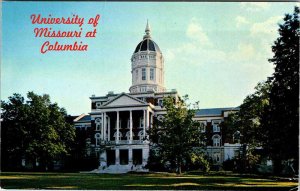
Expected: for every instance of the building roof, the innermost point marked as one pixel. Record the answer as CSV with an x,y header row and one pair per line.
x,y
147,45
214,111
86,118
124,94
82,118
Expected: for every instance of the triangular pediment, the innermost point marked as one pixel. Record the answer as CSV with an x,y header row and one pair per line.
x,y
124,100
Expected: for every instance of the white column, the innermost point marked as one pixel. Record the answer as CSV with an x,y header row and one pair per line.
x,y
117,137
105,126
148,121
108,128
117,156
103,159
130,156
102,126
151,120
144,126
145,156
130,126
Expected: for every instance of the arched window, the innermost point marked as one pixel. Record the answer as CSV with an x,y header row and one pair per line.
x,y
97,138
127,135
120,135
98,123
216,140
141,135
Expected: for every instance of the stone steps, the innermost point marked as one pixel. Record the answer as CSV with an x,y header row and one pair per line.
x,y
119,169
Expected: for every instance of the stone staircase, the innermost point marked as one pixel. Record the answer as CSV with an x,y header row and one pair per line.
x,y
119,169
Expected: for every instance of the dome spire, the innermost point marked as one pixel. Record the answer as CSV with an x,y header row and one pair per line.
x,y
147,31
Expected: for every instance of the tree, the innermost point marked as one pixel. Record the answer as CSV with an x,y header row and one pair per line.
x,y
246,124
199,160
35,130
282,117
251,114
13,130
176,135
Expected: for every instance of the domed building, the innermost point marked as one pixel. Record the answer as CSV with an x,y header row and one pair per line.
x,y
147,63
118,123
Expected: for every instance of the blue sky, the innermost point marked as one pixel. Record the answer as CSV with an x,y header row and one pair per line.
x,y
214,52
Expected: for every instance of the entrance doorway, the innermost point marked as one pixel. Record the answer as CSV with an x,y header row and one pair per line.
x,y
137,155
123,156
111,157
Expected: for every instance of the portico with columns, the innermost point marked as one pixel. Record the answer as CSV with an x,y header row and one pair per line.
x,y
121,127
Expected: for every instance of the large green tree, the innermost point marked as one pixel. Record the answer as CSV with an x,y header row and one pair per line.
x,y
176,135
35,130
248,122
282,117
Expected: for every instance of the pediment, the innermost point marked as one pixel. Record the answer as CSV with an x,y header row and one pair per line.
x,y
124,100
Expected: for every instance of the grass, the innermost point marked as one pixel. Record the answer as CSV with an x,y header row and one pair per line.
x,y
153,181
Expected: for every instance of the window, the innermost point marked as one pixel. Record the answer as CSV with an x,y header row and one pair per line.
x,y
141,135
151,73
143,89
202,126
160,102
143,73
98,122
136,74
216,140
98,127
128,135
97,137
120,135
98,104
141,122
216,127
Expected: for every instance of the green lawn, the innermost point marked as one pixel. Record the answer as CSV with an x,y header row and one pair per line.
x,y
156,181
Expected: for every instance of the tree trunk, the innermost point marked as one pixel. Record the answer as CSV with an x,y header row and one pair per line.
x,y
179,169
179,166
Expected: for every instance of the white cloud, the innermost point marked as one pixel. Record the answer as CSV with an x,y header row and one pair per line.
x,y
195,31
255,6
241,21
268,27
243,53
222,75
